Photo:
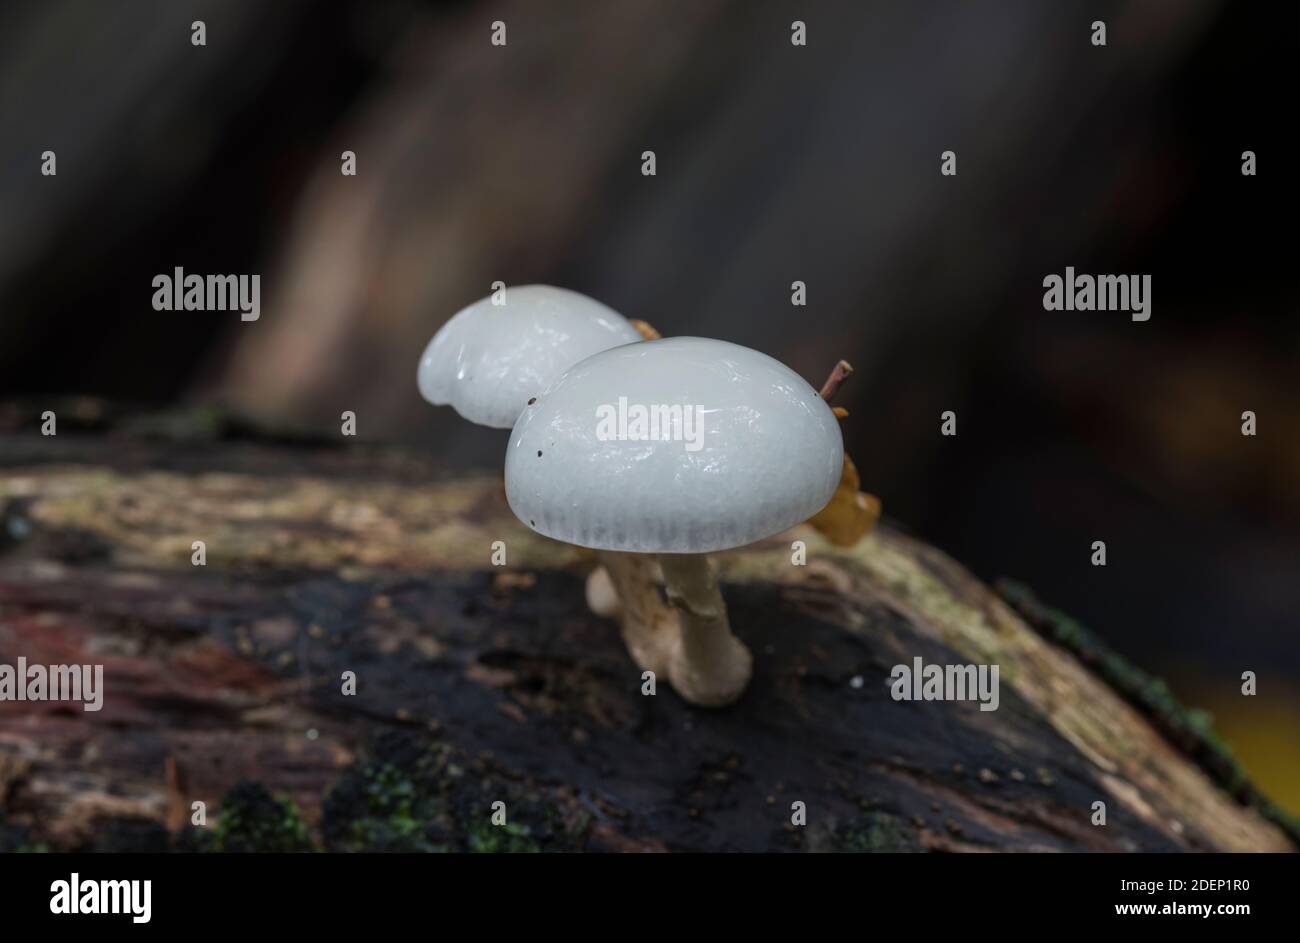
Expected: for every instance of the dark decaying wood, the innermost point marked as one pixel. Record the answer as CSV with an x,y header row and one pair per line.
x,y
478,684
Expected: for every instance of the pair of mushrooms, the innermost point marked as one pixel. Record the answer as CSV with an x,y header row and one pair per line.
x,y
765,453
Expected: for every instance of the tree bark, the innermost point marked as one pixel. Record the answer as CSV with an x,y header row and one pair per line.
x,y
477,683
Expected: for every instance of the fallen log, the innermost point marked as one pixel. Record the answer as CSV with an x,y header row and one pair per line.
x,y
225,683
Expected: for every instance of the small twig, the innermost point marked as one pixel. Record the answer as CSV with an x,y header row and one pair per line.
x,y
843,370
178,811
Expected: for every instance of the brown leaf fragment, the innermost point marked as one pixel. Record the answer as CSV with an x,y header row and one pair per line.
x,y
645,329
850,514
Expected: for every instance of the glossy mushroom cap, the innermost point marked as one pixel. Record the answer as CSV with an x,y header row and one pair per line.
x,y
757,451
488,360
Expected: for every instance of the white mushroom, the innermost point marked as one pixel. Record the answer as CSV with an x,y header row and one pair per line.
x,y
489,359
675,448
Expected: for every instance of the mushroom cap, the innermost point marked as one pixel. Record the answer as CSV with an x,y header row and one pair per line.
x,y
489,359
759,450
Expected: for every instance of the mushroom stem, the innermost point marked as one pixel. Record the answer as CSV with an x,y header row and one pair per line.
x,y
710,666
602,597
649,625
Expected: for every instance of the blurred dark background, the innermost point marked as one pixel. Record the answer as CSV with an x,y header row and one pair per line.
x,y
775,163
